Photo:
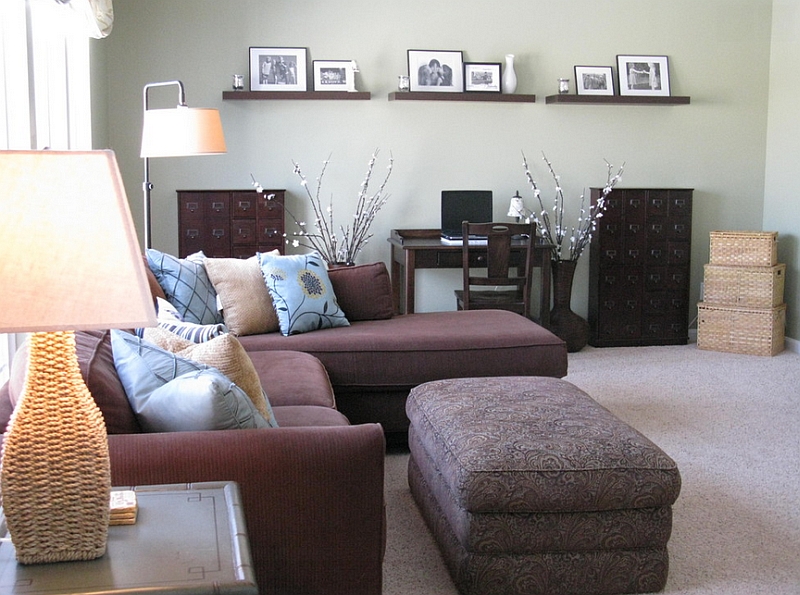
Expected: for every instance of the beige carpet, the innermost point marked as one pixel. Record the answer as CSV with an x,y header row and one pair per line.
x,y
732,424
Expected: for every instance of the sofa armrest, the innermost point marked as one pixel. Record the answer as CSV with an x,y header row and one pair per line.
x,y
312,496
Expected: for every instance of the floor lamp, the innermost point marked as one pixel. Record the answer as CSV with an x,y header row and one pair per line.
x,y
176,132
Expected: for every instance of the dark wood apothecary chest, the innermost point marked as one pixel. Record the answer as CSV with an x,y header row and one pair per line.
x,y
230,223
639,268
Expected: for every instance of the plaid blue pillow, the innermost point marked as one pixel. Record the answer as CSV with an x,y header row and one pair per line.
x,y
187,287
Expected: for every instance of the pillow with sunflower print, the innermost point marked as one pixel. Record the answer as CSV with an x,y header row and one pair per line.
x,y
301,292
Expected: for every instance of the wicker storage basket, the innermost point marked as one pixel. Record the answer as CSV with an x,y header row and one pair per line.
x,y
744,248
747,287
752,331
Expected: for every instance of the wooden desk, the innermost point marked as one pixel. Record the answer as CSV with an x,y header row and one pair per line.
x,y
414,249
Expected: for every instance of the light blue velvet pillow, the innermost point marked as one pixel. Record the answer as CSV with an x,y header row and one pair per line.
x,y
144,368
301,293
198,401
187,287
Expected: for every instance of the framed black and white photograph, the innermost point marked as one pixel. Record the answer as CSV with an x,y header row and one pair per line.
x,y
333,75
436,71
643,75
278,69
482,76
594,80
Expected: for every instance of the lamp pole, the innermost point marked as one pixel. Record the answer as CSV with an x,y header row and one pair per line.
x,y
147,186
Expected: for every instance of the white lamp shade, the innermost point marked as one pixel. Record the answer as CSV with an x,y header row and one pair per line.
x,y
182,131
516,208
69,255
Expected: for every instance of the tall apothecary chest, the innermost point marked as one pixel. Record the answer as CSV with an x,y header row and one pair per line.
x,y
639,268
230,223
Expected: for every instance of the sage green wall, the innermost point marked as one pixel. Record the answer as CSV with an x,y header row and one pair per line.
x,y
781,212
719,53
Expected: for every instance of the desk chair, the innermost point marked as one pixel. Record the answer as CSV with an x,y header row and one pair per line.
x,y
496,260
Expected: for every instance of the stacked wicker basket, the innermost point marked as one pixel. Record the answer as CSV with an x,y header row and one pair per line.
x,y
742,309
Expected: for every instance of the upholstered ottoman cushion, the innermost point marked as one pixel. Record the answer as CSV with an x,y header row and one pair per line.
x,y
530,486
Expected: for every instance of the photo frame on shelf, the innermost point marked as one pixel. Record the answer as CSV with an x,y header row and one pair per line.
x,y
334,75
278,69
643,75
594,80
437,71
483,77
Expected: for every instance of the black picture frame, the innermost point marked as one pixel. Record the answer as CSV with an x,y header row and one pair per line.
x,y
278,69
333,75
594,80
643,75
483,77
436,71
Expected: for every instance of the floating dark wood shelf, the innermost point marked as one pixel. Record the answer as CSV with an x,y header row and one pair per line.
x,y
466,96
340,95
617,99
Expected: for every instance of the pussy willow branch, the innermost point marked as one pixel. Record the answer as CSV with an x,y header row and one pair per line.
x,y
580,236
353,236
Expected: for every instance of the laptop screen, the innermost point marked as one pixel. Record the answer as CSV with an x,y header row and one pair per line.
x,y
464,205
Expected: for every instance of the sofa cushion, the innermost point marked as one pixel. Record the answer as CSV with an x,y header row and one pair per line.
x,y
301,292
243,296
408,350
293,416
293,378
96,362
186,286
364,292
200,400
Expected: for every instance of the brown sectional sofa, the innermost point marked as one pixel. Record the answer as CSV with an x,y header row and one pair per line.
x,y
380,357
313,488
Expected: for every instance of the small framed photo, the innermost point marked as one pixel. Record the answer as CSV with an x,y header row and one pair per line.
x,y
278,69
482,76
334,75
436,71
643,75
594,80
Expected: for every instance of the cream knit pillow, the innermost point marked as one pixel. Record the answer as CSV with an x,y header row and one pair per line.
x,y
243,296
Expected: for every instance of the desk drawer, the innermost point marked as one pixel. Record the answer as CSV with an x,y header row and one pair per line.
x,y
452,260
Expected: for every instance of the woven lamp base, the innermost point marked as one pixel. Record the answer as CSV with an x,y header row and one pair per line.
x,y
55,476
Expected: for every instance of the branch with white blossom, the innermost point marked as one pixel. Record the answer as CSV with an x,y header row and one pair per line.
x,y
552,229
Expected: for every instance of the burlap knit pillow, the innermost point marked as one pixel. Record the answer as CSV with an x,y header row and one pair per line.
x,y
243,295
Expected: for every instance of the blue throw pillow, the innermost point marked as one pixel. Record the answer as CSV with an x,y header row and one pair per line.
x,y
198,401
144,369
187,287
301,293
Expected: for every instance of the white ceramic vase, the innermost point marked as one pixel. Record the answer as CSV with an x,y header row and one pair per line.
x,y
509,76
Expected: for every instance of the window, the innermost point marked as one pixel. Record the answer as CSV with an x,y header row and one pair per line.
x,y
44,88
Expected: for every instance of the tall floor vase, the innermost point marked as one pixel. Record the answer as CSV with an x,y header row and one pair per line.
x,y
564,323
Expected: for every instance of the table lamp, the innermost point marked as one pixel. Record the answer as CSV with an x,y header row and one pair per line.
x,y
517,207
69,260
176,132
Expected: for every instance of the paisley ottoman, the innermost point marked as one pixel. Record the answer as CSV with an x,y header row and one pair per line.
x,y
531,487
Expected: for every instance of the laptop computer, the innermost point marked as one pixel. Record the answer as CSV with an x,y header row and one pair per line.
x,y
464,205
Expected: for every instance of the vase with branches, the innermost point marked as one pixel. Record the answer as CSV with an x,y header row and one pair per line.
x,y
338,244
565,323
